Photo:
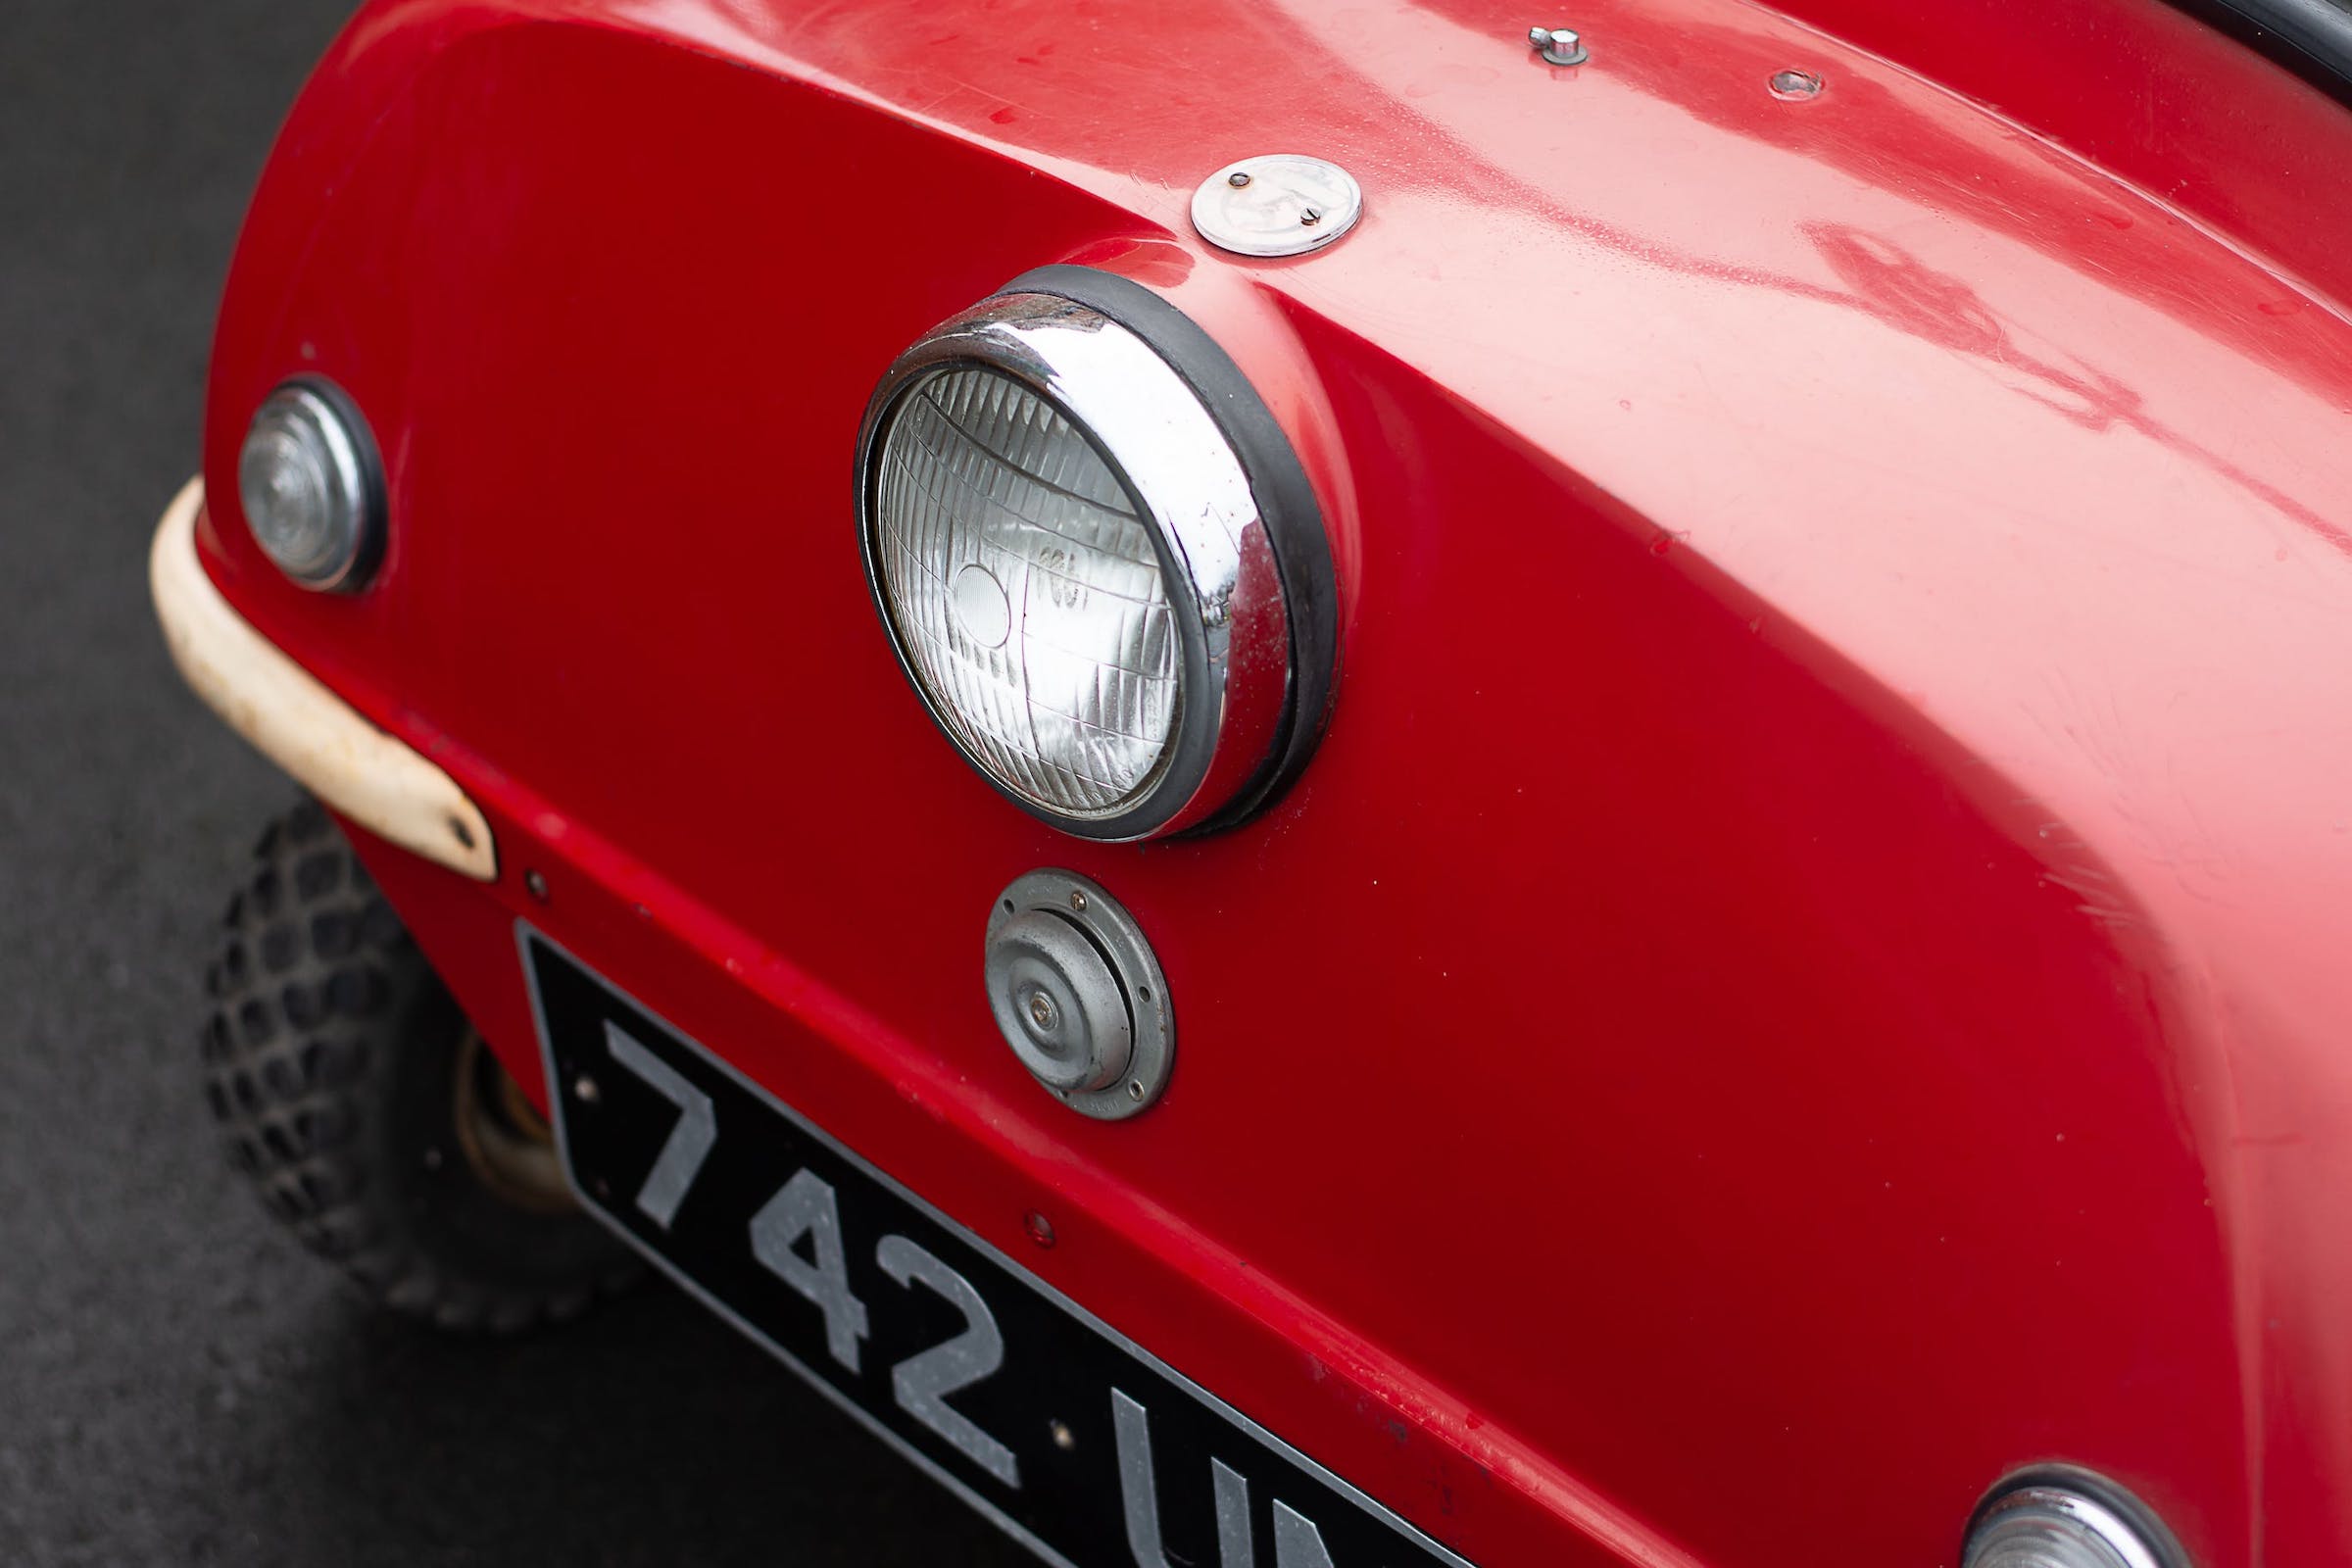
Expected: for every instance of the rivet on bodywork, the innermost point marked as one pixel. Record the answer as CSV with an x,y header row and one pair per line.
x,y
1795,84
1559,46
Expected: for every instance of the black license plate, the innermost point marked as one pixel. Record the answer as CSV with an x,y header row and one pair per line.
x,y
1072,1438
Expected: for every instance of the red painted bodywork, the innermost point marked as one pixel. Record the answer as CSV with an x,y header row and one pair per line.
x,y
1809,971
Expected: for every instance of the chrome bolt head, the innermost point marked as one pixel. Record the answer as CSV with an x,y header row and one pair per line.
x,y
1795,84
1559,46
1041,1010
1238,179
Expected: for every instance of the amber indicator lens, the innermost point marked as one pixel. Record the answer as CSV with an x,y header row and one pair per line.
x,y
1026,589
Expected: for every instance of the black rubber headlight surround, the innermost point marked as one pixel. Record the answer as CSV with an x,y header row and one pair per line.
x,y
1098,558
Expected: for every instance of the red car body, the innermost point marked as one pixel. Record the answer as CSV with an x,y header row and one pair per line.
x,y
1809,968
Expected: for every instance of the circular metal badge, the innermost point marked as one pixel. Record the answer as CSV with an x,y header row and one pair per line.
x,y
1277,204
1078,994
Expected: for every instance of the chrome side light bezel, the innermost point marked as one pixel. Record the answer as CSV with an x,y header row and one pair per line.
x,y
1243,556
2063,1512
311,417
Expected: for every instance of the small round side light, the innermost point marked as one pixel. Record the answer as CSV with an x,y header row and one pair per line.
x,y
311,486
2058,1517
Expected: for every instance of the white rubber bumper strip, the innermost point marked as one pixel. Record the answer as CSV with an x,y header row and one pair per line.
x,y
376,780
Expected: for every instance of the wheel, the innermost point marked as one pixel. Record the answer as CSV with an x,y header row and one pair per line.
x,y
368,1114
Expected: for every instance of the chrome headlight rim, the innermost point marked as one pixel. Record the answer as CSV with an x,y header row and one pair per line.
x,y
1233,520
354,470
2091,1503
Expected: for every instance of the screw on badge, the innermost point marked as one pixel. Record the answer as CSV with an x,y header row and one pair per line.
x,y
1559,46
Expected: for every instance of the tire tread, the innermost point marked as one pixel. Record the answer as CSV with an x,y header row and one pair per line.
x,y
294,1048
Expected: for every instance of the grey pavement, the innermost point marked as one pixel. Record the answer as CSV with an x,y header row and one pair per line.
x,y
179,1384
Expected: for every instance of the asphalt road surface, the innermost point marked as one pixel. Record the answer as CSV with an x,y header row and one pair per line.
x,y
179,1384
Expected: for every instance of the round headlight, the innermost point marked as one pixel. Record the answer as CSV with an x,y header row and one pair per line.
x,y
1098,558
310,483
2061,1517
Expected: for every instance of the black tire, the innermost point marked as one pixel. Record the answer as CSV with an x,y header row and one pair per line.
x,y
367,1113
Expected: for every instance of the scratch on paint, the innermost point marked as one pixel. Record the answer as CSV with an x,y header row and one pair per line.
x,y
2095,888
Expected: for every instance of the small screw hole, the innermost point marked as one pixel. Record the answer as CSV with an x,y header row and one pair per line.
x,y
1135,1089
1007,906
1144,992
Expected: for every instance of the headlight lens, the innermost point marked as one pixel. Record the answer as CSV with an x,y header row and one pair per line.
x,y
1027,591
1112,592
2067,1518
307,479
